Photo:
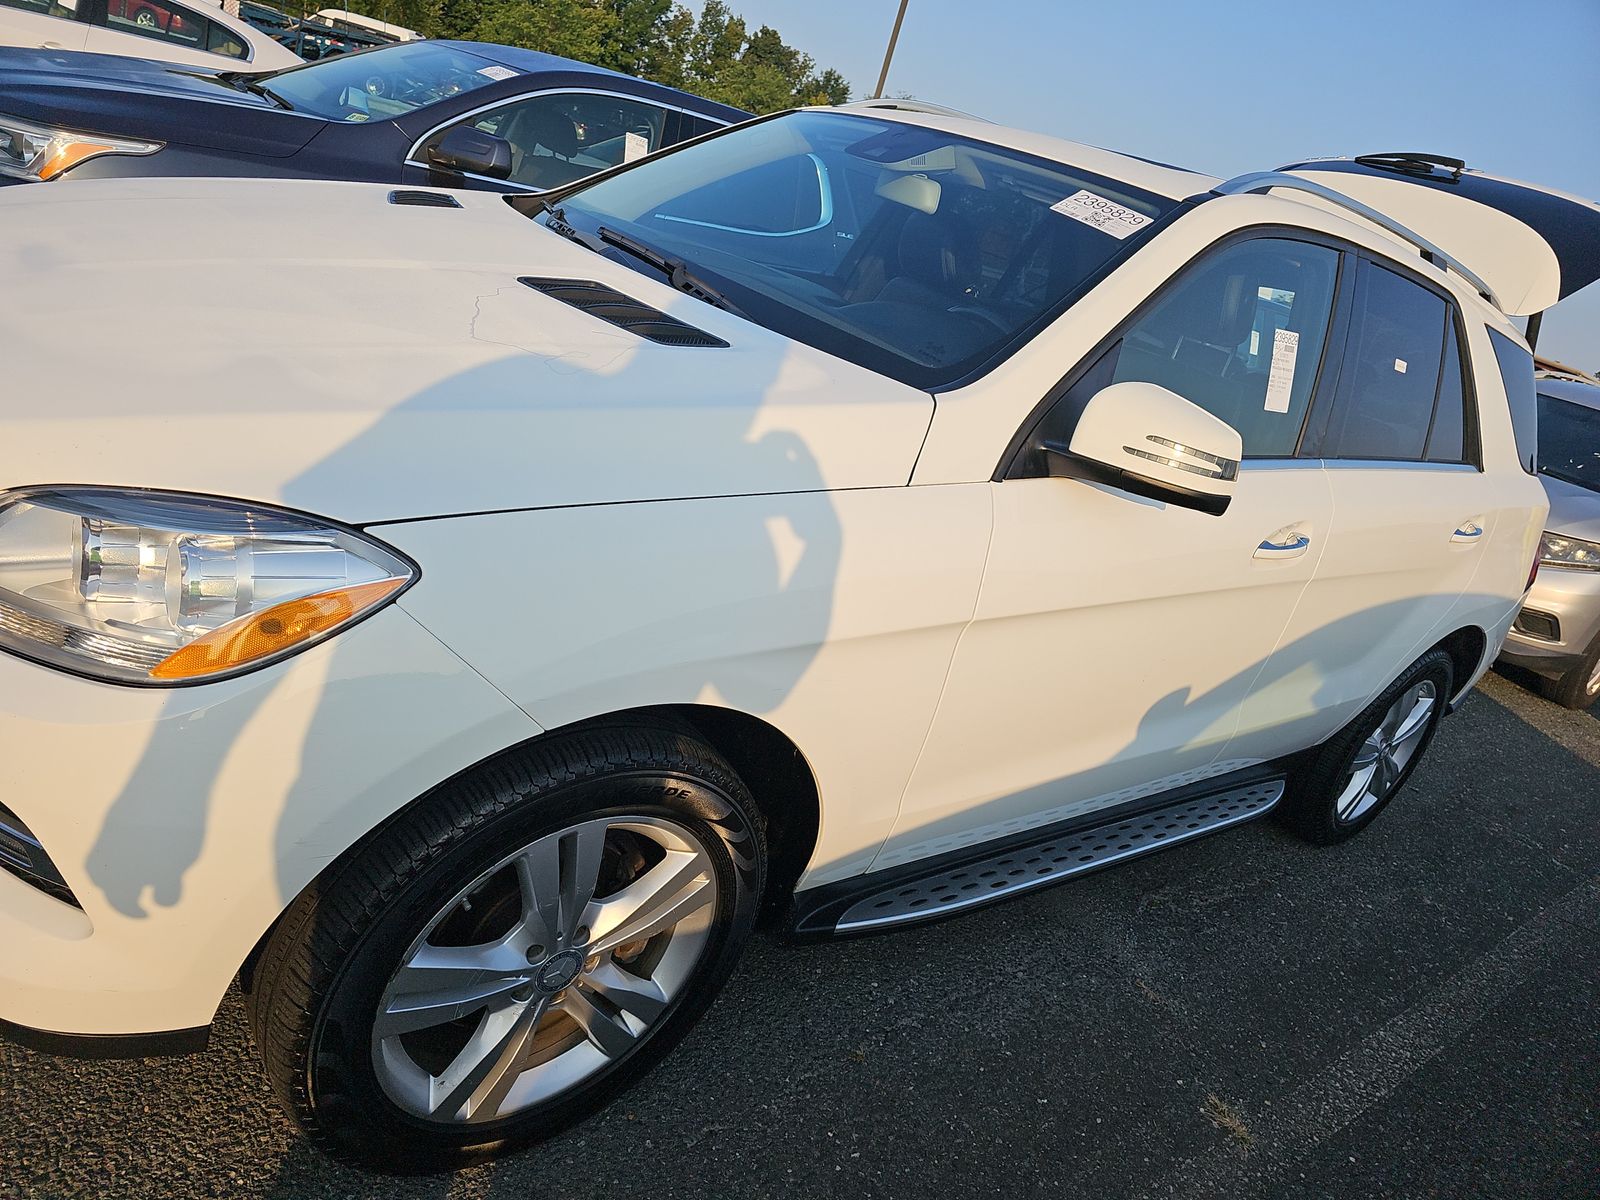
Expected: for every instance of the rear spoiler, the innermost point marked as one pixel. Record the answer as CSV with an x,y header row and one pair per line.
x,y
1529,246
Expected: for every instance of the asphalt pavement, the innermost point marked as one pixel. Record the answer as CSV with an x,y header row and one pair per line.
x,y
1413,1014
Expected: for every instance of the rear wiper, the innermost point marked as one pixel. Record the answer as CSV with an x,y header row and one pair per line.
x,y
675,269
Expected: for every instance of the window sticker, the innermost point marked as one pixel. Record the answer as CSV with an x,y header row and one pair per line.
x,y
497,72
634,145
1400,365
1280,379
1102,214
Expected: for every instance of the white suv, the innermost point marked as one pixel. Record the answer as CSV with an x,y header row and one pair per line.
x,y
464,632
197,33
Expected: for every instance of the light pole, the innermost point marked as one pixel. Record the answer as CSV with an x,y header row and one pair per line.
x,y
894,36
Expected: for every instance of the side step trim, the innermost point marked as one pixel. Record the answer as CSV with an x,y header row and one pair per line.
x,y
1053,858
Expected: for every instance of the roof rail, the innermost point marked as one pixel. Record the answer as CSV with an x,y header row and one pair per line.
x,y
1262,181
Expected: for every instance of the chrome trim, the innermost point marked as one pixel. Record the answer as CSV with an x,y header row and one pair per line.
x,y
1263,181
1392,464
1298,542
412,161
1283,463
824,188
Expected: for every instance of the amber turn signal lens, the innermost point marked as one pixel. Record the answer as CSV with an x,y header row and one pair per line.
x,y
279,628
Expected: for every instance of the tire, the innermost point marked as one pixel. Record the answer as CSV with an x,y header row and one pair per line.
x,y
622,805
1579,688
1324,804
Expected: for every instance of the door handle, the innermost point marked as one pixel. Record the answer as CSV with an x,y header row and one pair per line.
x,y
1467,532
1293,545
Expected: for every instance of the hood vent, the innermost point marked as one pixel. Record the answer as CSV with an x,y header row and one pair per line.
x,y
624,312
424,199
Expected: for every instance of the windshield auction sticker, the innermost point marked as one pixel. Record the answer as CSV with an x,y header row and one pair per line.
x,y
497,72
1101,213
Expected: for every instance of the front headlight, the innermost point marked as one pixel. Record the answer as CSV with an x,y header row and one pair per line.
x,y
40,152
1558,551
157,588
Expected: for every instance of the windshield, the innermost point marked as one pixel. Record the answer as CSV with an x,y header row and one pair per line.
x,y
378,84
1569,442
917,253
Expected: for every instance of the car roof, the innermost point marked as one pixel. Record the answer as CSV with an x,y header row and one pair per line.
x,y
532,62
1175,183
1572,391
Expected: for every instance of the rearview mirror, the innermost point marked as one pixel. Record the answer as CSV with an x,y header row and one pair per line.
x,y
1141,438
468,151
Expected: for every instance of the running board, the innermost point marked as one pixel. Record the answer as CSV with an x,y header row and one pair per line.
x,y
1022,867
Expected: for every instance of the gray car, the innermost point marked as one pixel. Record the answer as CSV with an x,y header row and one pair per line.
x,y
1557,634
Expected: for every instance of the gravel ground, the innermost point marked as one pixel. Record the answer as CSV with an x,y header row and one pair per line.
x,y
1413,1014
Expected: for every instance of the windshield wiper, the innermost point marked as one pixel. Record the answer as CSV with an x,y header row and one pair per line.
x,y
675,269
245,84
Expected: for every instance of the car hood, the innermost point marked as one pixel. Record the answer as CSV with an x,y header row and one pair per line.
x,y
315,345
134,97
1574,510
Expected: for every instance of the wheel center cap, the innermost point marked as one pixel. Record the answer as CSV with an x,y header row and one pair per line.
x,y
559,970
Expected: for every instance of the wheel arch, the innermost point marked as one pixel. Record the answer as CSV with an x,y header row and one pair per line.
x,y
1467,648
778,775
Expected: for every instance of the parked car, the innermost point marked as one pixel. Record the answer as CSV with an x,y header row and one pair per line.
x,y
313,41
349,22
1557,633
464,114
856,518
195,34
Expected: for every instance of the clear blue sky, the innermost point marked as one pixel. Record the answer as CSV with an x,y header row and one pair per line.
x,y
1228,86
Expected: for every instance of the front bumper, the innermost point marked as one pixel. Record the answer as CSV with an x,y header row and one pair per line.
x,y
1559,622
185,820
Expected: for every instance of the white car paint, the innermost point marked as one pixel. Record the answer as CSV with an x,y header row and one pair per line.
x,y
19,27
604,524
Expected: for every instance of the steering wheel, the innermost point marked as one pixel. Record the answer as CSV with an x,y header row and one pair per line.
x,y
375,85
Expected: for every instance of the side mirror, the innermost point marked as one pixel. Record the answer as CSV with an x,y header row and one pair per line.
x,y
465,150
1141,438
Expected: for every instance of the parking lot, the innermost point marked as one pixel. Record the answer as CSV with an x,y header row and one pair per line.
x,y
1413,1014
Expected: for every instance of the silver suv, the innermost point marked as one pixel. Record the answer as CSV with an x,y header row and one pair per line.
x,y
1557,633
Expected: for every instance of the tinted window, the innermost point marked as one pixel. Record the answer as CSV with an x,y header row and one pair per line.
x,y
44,8
1390,374
1569,441
1516,371
1448,437
558,138
171,23
918,253
1241,335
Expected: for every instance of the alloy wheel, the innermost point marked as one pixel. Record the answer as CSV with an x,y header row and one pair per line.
x,y
1381,760
548,968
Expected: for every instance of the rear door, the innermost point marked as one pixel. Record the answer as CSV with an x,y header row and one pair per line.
x,y
1412,512
48,24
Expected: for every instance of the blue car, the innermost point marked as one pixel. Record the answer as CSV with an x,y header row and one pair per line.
x,y
442,113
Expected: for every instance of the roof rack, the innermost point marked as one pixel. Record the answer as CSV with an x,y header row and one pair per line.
x,y
1263,181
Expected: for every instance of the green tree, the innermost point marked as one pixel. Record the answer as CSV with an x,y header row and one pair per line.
x,y
572,28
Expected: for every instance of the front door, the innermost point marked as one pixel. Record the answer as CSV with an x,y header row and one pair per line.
x,y
1116,638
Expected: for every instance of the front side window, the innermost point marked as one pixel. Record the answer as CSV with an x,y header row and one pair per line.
x,y
917,253
565,136
1569,441
1516,372
384,83
1390,375
1240,334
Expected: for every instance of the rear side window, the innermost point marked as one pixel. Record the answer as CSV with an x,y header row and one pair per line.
x,y
44,8
1516,371
1384,405
1447,440
174,24
1241,335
